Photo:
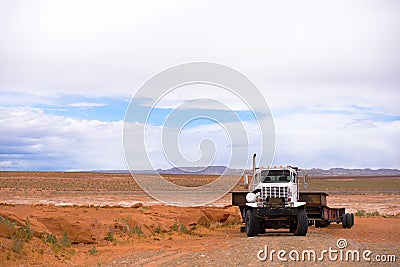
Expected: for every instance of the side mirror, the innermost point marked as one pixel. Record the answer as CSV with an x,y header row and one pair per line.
x,y
246,179
305,180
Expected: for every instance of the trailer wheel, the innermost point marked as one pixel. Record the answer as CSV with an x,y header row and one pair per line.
x,y
302,223
346,220
351,219
349,225
252,223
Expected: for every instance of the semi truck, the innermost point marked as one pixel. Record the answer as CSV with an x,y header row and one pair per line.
x,y
273,201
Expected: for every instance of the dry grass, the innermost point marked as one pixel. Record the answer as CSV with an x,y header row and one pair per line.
x,y
356,185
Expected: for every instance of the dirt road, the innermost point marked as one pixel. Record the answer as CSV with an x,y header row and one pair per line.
x,y
231,248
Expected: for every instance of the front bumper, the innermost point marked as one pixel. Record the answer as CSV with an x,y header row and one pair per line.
x,y
276,211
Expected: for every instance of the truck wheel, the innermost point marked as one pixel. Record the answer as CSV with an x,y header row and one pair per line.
x,y
346,220
352,219
349,221
252,223
302,223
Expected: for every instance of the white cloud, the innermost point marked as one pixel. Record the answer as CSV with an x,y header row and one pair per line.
x,y
331,140
208,94
223,144
108,49
6,163
86,105
32,139
35,140
352,99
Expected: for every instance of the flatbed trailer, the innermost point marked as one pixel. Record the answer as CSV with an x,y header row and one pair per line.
x,y
318,212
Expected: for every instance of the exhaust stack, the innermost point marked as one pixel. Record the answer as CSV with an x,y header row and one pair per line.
x,y
254,163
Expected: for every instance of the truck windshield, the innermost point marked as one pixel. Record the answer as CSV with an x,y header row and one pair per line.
x,y
275,176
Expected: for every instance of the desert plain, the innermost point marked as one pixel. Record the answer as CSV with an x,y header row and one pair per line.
x,y
105,219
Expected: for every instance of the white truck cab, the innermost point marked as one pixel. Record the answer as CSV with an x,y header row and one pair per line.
x,y
274,184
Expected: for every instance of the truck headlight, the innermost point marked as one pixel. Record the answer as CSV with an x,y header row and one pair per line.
x,y
251,197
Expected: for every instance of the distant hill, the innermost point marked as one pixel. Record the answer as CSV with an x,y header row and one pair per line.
x,y
353,172
217,170
210,170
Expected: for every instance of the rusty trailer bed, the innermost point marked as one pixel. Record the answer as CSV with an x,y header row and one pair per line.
x,y
317,208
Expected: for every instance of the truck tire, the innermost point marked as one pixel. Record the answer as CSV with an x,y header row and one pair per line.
x,y
302,223
252,223
349,221
352,219
346,220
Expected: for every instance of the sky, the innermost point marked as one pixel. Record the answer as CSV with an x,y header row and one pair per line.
x,y
329,71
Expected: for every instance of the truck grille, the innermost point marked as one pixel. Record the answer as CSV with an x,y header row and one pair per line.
x,y
274,192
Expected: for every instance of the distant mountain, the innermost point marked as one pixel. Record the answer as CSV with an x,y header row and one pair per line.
x,y
210,170
352,172
217,170
110,171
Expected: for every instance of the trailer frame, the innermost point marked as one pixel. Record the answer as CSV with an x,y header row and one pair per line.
x,y
318,212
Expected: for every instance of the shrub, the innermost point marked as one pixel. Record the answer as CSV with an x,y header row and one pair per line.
x,y
124,220
158,229
110,237
51,239
184,229
175,227
93,250
137,230
6,221
360,213
374,213
65,242
27,230
17,246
